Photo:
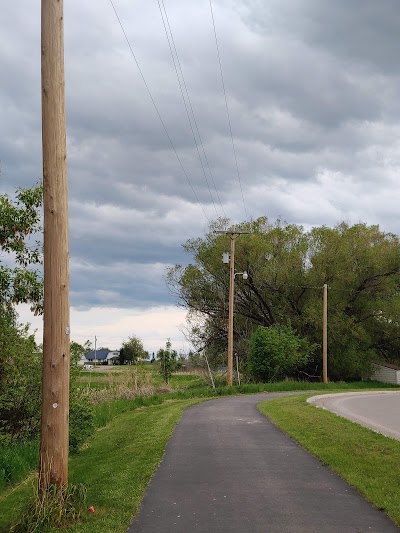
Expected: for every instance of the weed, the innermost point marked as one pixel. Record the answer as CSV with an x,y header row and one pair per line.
x,y
57,507
16,461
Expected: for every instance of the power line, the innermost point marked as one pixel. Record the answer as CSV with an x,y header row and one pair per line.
x,y
227,108
177,66
184,99
157,111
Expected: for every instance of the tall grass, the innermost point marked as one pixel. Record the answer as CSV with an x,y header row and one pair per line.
x,y
106,411
53,508
17,460
280,386
134,382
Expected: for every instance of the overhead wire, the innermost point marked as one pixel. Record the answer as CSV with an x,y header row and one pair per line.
x,y
184,102
182,86
227,108
157,111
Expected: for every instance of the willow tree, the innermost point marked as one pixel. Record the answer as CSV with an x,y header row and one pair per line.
x,y
287,268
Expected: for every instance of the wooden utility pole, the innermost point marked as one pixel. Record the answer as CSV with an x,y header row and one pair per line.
x,y
53,465
325,336
232,234
231,301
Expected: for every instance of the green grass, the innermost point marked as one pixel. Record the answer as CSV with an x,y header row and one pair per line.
x,y
116,466
280,386
122,414
105,412
367,460
16,461
11,501
99,380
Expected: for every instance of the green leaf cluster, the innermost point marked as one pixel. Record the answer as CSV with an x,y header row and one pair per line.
x,y
168,361
276,352
20,358
287,267
19,223
132,351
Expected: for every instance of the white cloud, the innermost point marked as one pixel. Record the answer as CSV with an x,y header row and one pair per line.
x,y
112,326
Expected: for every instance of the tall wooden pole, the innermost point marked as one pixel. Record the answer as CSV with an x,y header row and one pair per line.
x,y
53,466
232,234
325,336
231,301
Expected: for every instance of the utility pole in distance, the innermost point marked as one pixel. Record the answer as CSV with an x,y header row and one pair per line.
x,y
53,464
232,234
325,336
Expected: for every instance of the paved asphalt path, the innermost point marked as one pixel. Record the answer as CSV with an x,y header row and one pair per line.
x,y
379,411
228,469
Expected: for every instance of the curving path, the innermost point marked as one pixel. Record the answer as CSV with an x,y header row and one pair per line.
x,y
228,469
376,410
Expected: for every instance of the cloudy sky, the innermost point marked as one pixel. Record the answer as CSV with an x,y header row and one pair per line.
x,y
313,92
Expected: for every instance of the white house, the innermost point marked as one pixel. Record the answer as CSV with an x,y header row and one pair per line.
x,y
82,361
386,372
102,357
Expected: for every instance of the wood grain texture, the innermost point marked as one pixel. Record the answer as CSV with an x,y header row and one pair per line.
x,y
55,407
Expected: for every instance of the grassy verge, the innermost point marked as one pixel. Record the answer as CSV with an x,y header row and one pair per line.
x,y
18,460
108,414
106,411
366,460
116,466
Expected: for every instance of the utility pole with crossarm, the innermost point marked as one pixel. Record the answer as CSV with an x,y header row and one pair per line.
x,y
232,234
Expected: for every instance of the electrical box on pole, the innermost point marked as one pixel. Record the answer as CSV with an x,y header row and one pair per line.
x,y
229,258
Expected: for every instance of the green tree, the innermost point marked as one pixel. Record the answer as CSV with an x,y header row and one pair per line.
x,y
20,380
78,350
19,223
20,281
20,358
287,269
132,351
168,361
277,352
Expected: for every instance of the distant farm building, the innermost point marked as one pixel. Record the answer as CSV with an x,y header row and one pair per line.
x,y
103,357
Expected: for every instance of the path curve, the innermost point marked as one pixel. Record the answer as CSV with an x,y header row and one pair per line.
x,y
227,468
376,410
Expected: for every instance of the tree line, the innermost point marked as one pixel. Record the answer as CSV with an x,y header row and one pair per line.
x,y
287,267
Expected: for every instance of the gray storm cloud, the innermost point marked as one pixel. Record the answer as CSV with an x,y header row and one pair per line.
x,y
313,92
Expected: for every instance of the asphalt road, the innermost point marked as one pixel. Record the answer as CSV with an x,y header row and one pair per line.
x,y
379,411
228,469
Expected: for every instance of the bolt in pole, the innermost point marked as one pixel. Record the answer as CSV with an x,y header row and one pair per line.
x,y
53,463
325,336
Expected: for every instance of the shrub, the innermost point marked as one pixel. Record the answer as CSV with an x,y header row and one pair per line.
x,y
276,352
21,387
20,381
81,423
167,358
